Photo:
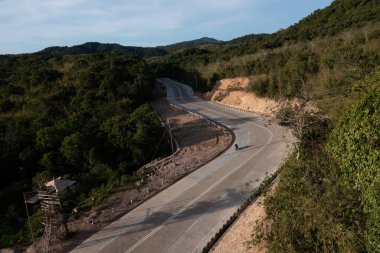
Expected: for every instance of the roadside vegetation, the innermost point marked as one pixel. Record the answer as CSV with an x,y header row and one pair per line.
x,y
327,198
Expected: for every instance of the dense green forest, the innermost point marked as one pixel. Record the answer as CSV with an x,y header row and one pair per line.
x,y
84,118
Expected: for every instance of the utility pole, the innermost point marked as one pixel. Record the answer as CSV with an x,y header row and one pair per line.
x,y
171,142
30,226
196,81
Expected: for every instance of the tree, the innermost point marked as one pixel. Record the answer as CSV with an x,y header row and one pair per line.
x,y
145,132
117,130
48,138
72,148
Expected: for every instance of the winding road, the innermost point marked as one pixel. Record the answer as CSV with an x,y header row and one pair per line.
x,y
185,216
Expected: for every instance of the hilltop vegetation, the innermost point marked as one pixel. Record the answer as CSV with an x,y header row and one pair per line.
x,y
95,47
84,118
329,50
189,44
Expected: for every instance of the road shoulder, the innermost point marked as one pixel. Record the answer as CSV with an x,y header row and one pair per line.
x,y
240,233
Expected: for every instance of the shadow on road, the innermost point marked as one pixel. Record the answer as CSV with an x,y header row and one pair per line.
x,y
244,147
145,220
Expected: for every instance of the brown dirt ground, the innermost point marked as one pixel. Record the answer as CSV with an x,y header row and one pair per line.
x,y
233,92
199,143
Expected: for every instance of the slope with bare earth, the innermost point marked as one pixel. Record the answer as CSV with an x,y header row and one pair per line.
x,y
233,92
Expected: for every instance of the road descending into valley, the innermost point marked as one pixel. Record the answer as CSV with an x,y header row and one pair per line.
x,y
185,216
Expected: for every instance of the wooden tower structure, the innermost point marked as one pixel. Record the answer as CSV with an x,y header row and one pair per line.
x,y
50,204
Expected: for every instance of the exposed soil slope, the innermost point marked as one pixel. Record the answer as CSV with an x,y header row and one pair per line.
x,y
233,92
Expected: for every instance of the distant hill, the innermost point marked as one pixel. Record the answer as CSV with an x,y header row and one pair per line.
x,y
140,52
96,47
190,43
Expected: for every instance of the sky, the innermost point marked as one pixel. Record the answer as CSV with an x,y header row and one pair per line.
x,y
31,25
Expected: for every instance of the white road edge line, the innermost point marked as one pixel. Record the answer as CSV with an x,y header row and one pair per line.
x,y
196,199
157,209
217,225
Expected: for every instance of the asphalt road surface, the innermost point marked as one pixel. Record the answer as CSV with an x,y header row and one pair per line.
x,y
185,216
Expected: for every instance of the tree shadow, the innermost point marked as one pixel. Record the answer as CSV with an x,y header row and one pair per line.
x,y
173,212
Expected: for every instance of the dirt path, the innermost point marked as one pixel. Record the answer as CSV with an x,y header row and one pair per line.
x,y
233,92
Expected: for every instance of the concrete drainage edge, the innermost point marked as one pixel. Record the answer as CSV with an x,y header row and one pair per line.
x,y
262,115
253,196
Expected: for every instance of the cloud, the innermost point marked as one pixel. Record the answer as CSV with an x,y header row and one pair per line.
x,y
65,22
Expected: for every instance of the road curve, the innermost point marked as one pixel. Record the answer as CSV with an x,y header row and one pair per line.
x,y
185,216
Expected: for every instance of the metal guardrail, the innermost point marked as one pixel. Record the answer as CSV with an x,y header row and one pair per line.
x,y
262,115
210,121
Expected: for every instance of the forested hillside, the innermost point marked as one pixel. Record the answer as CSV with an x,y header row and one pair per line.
x,y
84,118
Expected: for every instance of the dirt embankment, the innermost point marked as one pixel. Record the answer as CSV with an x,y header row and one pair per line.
x,y
234,92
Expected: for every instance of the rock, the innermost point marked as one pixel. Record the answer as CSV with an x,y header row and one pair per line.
x,y
10,250
31,249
